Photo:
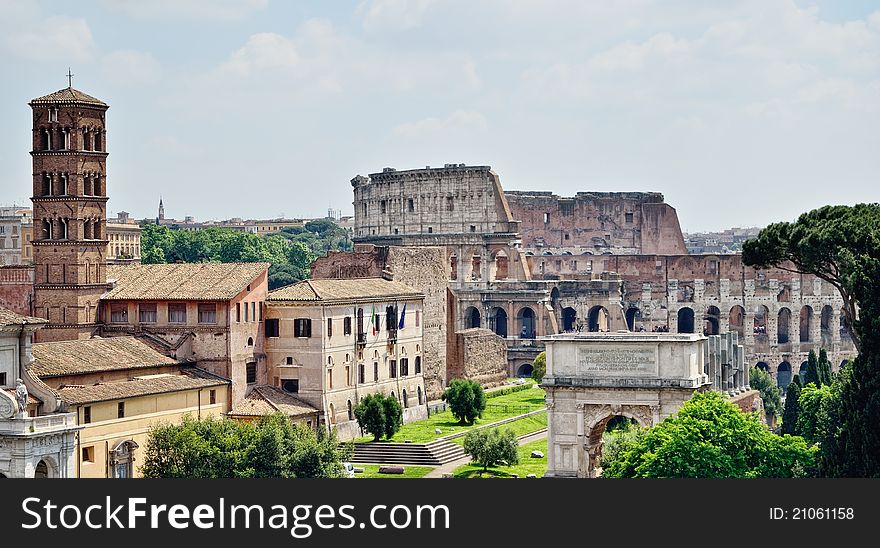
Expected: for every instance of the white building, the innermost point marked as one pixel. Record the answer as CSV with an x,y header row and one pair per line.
x,y
332,342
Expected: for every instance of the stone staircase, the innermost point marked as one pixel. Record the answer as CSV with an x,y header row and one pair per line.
x,y
434,453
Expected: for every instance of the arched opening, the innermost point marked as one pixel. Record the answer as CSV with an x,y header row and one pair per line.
x,y
332,415
763,366
712,321
685,320
498,319
844,327
825,321
350,411
405,399
526,323
603,435
453,267
122,459
47,185
501,266
598,319
471,317
783,375
250,341
554,297
783,326
632,314
525,370
806,320
736,319
802,369
42,470
760,323
569,319
418,365
419,394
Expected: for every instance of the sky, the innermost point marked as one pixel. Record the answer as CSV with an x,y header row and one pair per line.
x,y
741,113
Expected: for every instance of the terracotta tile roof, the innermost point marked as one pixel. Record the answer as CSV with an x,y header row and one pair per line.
x,y
190,378
265,400
68,95
343,290
54,359
8,317
182,281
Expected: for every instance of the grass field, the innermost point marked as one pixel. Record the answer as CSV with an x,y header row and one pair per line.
x,y
498,408
527,465
520,427
372,471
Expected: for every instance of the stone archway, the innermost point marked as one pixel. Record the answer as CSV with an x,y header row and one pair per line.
x,y
596,418
525,370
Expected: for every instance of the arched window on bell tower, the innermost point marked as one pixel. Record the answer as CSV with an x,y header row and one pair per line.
x,y
45,139
98,140
65,138
87,139
65,186
47,229
46,184
96,182
64,234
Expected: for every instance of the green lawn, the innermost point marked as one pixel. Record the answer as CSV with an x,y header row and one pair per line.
x,y
498,408
520,427
527,465
372,471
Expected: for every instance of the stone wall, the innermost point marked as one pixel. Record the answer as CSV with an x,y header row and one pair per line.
x,y
17,289
479,355
602,222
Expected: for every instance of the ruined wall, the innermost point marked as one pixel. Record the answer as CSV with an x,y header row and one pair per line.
x,y
480,355
423,268
17,289
597,222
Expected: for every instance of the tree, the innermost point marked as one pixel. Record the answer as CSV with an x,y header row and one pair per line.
x,y
824,368
792,406
840,245
711,437
492,447
379,415
539,367
225,448
466,399
813,409
811,375
770,393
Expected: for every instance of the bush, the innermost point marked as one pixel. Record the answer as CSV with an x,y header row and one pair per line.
x,y
379,415
539,367
792,408
491,447
466,400
770,393
509,390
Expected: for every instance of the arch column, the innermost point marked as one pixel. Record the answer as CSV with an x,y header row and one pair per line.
x,y
749,327
835,325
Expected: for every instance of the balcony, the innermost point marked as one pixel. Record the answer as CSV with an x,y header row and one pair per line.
x,y
361,340
56,422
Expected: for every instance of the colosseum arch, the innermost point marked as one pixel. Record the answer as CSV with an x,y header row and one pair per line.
x,y
783,375
500,266
598,319
762,315
712,321
685,320
806,321
825,320
736,320
632,314
569,319
783,326
471,317
498,321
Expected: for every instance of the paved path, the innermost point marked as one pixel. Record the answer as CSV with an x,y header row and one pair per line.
x,y
449,467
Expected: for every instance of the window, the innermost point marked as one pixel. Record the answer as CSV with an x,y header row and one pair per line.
x,y
346,326
383,206
120,410
177,313
238,312
628,217
2,379
410,205
430,229
330,378
272,327
329,327
418,365
254,311
246,312
250,341
418,317
261,311
207,313
118,313
392,369
404,367
88,454
361,374
546,218
473,228
347,376
87,414
147,312
212,397
290,386
375,371
302,327
289,360
53,114
450,203
251,372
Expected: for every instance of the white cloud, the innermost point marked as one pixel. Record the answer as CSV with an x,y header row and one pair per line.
x,y
458,122
633,56
393,14
185,9
54,39
129,67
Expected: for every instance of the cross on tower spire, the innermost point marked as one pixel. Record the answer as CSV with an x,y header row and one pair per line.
x,y
69,78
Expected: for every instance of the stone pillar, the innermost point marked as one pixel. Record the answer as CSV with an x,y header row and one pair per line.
x,y
835,326
749,327
582,459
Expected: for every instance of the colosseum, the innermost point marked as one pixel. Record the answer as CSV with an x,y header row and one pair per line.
x,y
529,264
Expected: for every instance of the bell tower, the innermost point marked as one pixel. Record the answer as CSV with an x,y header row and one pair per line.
x,y
70,211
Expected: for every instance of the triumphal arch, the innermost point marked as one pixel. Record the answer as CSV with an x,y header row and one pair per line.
x,y
593,377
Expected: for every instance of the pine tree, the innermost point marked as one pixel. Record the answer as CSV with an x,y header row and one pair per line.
x,y
824,368
811,375
792,407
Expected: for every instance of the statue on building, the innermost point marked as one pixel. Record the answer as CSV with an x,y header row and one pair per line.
x,y
21,396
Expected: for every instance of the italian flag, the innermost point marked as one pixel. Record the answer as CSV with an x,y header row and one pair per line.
x,y
373,320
